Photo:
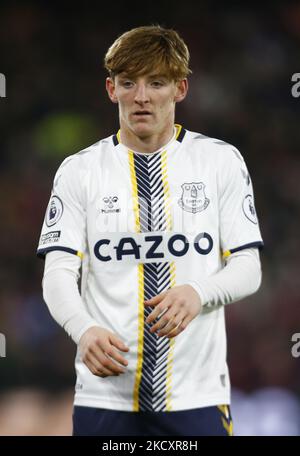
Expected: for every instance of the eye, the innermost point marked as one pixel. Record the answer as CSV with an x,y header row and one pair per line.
x,y
199,187
127,84
187,187
115,199
157,84
106,200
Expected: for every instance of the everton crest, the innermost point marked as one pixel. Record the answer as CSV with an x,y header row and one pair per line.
x,y
193,198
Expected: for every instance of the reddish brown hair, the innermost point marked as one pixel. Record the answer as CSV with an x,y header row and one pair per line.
x,y
149,49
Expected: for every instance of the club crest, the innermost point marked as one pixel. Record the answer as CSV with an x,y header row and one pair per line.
x,y
193,198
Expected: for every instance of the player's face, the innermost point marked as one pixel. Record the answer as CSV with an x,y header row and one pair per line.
x,y
146,103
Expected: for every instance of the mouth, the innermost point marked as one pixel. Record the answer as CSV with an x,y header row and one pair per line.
x,y
142,113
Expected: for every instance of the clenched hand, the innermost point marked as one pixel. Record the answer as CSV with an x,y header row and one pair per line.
x,y
99,349
177,307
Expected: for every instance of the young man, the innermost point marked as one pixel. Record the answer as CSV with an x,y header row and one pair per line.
x,y
163,224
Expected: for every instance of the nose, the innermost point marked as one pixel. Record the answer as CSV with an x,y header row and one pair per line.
x,y
141,94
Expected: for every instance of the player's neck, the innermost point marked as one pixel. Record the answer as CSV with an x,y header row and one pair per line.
x,y
147,144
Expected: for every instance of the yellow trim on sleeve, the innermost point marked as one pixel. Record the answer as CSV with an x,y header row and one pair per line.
x,y
80,254
226,254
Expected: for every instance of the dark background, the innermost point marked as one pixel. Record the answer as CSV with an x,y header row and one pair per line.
x,y
243,58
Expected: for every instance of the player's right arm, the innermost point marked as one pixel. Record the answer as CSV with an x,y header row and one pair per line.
x,y
62,244
99,347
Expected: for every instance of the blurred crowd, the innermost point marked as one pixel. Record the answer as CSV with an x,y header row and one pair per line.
x,y
240,91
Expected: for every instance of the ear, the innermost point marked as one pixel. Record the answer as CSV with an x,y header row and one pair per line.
x,y
111,89
181,90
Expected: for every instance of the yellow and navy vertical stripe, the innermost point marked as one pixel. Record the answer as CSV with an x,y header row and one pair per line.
x,y
151,206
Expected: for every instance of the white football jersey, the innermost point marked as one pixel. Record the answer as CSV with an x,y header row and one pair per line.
x,y
143,223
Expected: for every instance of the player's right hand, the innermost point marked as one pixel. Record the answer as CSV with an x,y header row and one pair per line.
x,y
98,348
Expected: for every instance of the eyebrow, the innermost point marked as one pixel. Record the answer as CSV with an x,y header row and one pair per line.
x,y
150,76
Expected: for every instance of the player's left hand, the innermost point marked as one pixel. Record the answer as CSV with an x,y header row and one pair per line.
x,y
177,307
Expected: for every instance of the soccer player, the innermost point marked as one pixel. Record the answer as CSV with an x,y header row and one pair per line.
x,y
161,223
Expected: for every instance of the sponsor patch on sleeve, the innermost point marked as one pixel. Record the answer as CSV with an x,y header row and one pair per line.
x,y
50,238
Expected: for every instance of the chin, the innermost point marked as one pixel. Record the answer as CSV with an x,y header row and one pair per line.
x,y
142,130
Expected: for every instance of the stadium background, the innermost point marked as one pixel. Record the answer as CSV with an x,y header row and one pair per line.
x,y
240,91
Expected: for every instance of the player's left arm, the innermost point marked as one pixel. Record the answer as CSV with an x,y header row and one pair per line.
x,y
178,306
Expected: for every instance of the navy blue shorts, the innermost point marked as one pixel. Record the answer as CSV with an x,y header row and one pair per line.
x,y
204,421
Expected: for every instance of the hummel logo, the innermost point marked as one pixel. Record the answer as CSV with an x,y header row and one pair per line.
x,y
110,203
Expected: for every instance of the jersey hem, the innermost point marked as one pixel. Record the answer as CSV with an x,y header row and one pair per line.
x,y
180,404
